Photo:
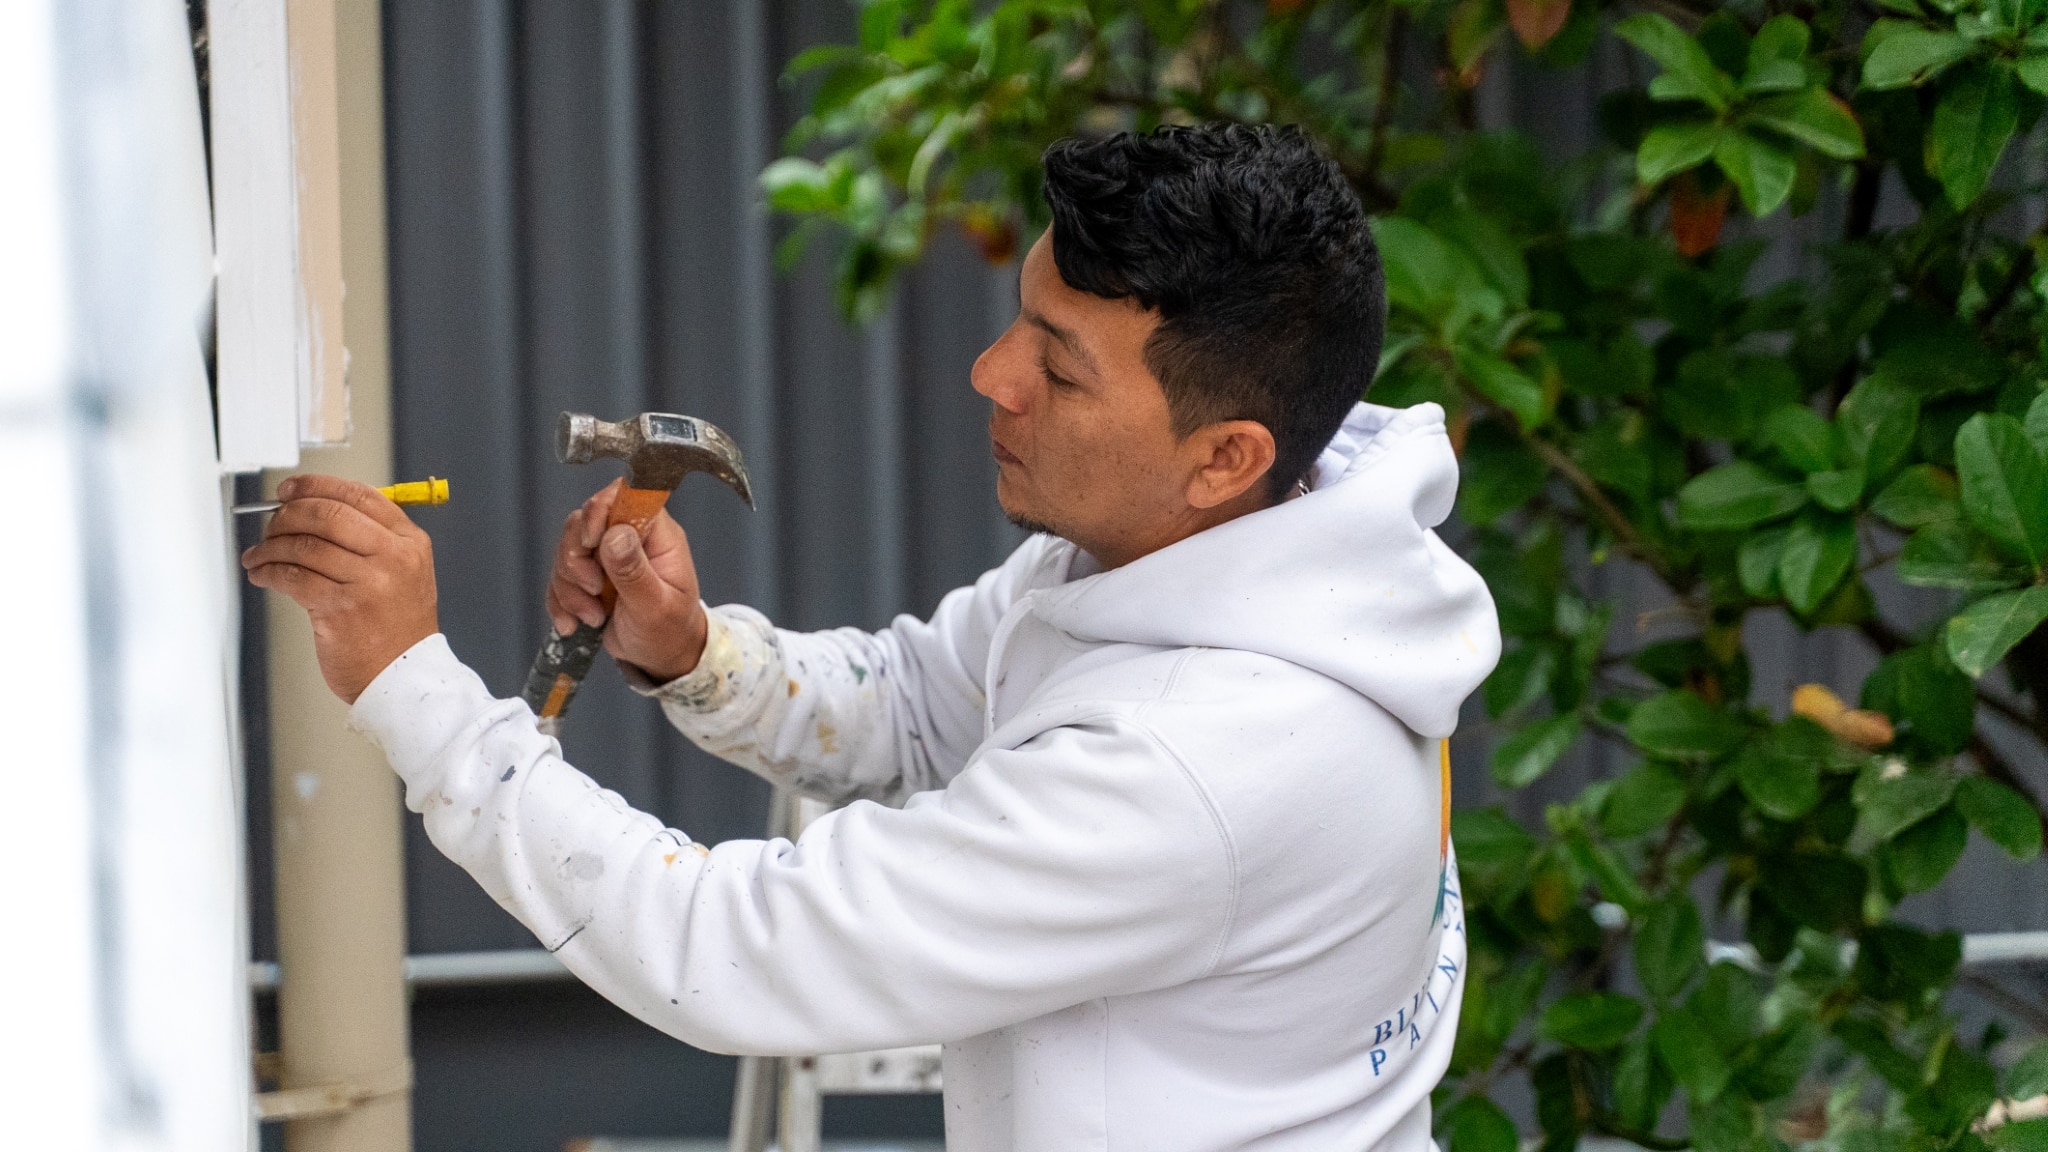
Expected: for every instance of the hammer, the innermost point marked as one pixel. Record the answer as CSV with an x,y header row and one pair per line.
x,y
659,450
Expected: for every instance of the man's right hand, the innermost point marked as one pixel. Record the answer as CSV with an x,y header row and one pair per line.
x,y
658,624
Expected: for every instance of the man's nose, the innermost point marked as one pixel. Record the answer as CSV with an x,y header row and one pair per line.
x,y
999,375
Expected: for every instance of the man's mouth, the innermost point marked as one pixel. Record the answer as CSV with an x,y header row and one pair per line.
x,y
1003,455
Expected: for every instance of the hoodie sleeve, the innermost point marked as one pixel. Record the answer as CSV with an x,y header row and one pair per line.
x,y
845,714
999,899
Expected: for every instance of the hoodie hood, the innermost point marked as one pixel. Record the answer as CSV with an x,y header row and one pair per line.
x,y
1349,580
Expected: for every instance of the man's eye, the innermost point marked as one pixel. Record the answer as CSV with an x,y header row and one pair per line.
x,y
1054,378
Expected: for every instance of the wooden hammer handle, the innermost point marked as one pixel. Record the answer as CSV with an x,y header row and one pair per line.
x,y
563,661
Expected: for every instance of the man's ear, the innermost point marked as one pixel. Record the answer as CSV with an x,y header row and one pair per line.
x,y
1229,457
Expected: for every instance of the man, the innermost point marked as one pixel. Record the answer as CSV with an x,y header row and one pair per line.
x,y
1157,847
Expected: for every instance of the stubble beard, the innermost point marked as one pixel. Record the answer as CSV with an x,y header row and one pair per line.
x,y
1034,527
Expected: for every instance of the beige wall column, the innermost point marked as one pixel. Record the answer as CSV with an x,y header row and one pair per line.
x,y
345,1051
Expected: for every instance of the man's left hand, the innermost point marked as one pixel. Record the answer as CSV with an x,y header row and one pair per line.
x,y
362,570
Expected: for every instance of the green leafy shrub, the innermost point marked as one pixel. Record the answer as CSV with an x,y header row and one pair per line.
x,y
1624,387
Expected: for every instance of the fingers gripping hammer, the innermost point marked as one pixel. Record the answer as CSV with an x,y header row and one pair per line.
x,y
659,450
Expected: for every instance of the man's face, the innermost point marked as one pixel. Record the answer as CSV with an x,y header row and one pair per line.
x,y
1083,442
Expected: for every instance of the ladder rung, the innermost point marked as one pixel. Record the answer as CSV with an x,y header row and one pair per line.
x,y
891,1071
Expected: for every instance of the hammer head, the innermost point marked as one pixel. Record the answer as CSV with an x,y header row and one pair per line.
x,y
659,449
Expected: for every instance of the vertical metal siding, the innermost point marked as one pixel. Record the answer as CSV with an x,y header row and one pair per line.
x,y
575,225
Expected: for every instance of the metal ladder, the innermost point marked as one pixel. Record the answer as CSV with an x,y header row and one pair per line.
x,y
784,1096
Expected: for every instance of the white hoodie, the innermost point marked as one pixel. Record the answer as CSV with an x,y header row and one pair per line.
x,y
1170,869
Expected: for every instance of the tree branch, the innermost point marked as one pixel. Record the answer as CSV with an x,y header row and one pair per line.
x,y
1619,525
1389,96
1863,196
2012,712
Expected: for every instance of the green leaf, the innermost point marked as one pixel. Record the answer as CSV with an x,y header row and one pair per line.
x,y
1498,473
1927,692
1591,1020
1838,490
2002,815
1947,555
1982,633
1901,963
823,56
1783,783
1918,858
1761,170
1521,678
2028,1076
1421,270
1780,1060
1767,927
1670,946
1820,890
2036,423
1719,395
1691,1053
1777,55
1622,367
1680,725
1756,562
1933,354
1478,1125
1976,117
1868,1039
1612,876
1525,756
1498,256
1889,803
1738,495
1802,436
1906,54
1493,851
1689,74
2019,1135
1728,1124
1557,1108
1921,495
1962,1089
2004,485
1645,798
1641,1085
1620,452
1875,423
2032,71
1505,385
1813,117
797,185
1673,663
1819,551
1668,149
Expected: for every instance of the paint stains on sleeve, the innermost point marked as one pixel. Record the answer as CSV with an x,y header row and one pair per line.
x,y
794,688
575,930
583,866
828,739
509,773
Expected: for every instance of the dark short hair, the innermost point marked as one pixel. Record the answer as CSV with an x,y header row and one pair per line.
x,y
1254,250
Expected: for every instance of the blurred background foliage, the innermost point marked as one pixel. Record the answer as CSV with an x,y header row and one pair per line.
x,y
1624,388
